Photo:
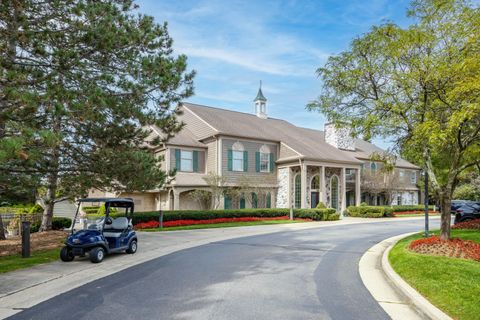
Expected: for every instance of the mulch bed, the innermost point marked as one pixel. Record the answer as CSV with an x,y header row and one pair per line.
x,y
38,241
455,248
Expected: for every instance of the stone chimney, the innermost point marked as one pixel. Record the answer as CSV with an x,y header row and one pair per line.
x,y
339,137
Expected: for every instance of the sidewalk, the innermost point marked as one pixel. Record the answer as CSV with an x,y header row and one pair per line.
x,y
23,289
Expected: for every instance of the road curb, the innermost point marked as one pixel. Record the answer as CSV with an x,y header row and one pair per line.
x,y
421,304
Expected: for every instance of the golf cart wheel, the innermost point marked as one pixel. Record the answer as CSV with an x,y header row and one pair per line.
x,y
97,254
132,247
66,254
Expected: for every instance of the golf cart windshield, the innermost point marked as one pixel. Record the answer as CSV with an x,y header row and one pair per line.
x,y
95,213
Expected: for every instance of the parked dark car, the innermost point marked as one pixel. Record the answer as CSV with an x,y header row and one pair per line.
x,y
458,203
467,211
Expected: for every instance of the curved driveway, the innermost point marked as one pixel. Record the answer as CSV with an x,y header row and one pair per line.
x,y
305,274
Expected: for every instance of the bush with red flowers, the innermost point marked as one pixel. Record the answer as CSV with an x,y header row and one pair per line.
x,y
472,224
179,223
456,248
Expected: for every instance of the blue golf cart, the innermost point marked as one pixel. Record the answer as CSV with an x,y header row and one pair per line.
x,y
102,235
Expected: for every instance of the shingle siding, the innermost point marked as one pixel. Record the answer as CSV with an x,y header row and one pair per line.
x,y
212,157
199,128
235,177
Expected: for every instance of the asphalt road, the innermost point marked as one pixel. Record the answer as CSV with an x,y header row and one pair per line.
x,y
307,274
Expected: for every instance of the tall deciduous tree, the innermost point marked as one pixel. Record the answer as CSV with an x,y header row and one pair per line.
x,y
420,85
80,84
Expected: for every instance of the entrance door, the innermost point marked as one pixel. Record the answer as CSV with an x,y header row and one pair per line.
x,y
315,198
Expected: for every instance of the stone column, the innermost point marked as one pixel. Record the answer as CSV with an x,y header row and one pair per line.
x,y
323,186
343,191
303,177
358,193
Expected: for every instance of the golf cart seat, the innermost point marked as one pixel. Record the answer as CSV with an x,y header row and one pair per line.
x,y
116,228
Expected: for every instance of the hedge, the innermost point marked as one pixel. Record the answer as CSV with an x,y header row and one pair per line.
x,y
58,223
314,214
370,211
410,208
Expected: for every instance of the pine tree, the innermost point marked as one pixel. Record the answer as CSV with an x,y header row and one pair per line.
x,y
81,84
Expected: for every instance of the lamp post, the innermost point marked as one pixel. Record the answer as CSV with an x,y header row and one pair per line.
x,y
426,203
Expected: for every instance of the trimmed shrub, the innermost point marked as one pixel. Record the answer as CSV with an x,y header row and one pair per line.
x,y
321,205
370,211
60,223
403,208
35,209
314,214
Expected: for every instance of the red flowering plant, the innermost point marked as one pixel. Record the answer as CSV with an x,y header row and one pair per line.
x,y
414,212
456,248
472,224
189,222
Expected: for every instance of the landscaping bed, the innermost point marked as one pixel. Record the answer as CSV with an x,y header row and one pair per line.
x,y
446,273
366,211
180,223
38,241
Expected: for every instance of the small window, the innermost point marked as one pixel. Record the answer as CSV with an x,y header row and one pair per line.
x,y
237,160
373,166
264,162
186,161
348,171
413,177
315,185
298,191
401,174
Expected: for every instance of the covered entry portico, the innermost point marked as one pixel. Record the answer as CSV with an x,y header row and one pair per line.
x,y
306,183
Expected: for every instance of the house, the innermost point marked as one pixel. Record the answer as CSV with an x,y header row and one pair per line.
x,y
285,165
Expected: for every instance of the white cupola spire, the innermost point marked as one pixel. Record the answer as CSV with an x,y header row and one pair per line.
x,y
260,104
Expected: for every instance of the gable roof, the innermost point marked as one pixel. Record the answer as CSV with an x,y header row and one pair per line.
x,y
183,138
309,143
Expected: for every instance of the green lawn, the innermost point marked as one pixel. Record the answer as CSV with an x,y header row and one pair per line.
x,y
10,263
451,284
225,225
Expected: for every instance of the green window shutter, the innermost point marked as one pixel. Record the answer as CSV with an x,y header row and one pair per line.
x,y
226,203
245,161
195,161
177,159
254,200
269,200
242,203
257,161
272,162
230,160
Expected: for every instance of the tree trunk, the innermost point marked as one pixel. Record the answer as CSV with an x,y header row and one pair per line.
x,y
446,217
2,231
50,203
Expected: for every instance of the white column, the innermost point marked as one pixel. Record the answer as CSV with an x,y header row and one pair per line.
x,y
176,200
303,177
343,190
358,193
323,186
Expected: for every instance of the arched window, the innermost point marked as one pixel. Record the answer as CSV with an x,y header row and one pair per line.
x,y
334,192
263,161
373,167
269,200
237,157
242,202
298,191
315,184
254,200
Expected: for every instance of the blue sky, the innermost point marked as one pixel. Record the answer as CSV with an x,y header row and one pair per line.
x,y
234,44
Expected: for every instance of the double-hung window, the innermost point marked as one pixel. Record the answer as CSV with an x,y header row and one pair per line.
x,y
413,177
186,161
237,160
264,162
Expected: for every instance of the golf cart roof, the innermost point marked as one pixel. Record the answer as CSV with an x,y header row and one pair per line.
x,y
114,202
